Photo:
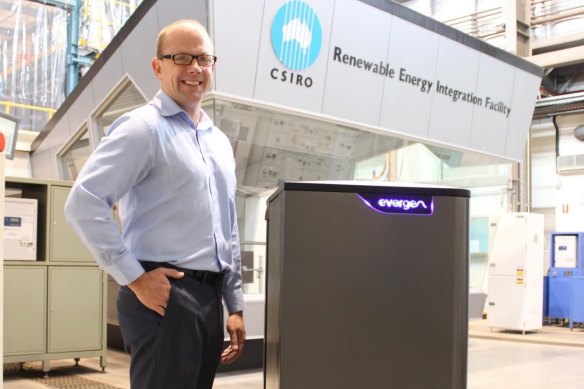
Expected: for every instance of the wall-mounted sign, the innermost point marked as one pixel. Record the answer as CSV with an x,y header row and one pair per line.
x,y
8,134
296,35
379,64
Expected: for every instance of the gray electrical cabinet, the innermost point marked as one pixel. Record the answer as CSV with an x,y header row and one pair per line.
x,y
367,286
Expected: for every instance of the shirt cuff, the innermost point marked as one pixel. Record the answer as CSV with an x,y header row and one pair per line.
x,y
234,301
125,269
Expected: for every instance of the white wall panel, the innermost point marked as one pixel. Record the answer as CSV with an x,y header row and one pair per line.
x,y
490,120
19,166
73,119
169,11
457,69
544,180
62,131
109,76
42,166
569,204
406,107
137,52
525,88
61,137
355,92
237,52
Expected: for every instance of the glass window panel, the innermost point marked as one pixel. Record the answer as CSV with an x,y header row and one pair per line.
x,y
123,99
271,145
75,152
73,157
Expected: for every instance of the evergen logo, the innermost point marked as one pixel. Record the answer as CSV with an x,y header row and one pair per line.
x,y
399,203
296,39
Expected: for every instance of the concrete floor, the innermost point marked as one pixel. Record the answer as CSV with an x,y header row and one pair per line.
x,y
551,357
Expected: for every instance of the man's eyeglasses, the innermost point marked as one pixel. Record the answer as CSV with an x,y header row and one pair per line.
x,y
186,59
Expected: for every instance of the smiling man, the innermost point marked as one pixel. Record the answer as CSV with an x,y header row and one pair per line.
x,y
178,257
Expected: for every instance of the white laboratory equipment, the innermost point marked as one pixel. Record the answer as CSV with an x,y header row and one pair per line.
x,y
515,289
20,229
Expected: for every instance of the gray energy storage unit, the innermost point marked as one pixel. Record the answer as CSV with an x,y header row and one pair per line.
x,y
367,286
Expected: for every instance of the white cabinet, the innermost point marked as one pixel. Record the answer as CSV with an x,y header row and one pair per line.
x,y
515,303
515,290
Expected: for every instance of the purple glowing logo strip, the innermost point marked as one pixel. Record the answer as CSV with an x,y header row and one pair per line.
x,y
398,203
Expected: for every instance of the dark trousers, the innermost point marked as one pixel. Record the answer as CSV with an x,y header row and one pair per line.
x,y
180,350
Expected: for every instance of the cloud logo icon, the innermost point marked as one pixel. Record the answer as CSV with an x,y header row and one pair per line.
x,y
296,35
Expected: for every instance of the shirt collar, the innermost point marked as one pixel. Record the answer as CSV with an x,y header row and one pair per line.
x,y
205,122
168,107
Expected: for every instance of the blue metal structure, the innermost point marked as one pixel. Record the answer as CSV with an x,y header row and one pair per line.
x,y
566,277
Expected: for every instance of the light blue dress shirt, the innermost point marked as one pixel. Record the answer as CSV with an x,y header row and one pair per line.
x,y
175,182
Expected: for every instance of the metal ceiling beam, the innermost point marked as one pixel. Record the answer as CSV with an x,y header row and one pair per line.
x,y
58,3
558,58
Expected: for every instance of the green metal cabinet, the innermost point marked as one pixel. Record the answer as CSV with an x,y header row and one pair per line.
x,y
64,243
75,306
25,292
54,307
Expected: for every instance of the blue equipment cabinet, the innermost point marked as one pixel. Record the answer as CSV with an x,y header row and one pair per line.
x,y
566,269
577,301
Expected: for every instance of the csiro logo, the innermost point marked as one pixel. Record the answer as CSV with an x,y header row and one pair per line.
x,y
296,35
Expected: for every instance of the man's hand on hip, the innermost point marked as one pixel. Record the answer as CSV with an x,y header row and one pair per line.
x,y
153,288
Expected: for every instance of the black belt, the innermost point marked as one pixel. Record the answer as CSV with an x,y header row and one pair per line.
x,y
200,275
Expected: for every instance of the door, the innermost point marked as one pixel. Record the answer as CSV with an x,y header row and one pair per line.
x,y
64,245
506,302
25,297
509,245
75,308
